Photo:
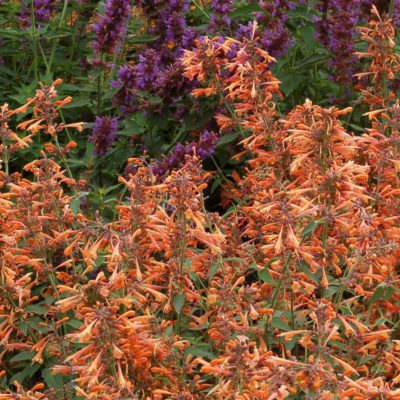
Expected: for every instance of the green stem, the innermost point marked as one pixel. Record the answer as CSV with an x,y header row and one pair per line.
x,y
5,157
63,157
201,9
34,43
391,8
60,24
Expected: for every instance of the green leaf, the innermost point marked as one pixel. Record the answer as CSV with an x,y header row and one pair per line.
x,y
357,128
265,276
142,39
52,381
75,205
245,11
34,323
36,309
278,323
213,270
309,229
75,323
23,326
382,292
23,356
78,103
307,32
310,61
49,300
179,301
29,370
290,82
200,351
228,138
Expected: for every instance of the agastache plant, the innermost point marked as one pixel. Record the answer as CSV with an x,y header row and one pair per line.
x,y
40,10
291,291
157,68
110,27
203,148
104,134
336,31
220,14
274,34
311,212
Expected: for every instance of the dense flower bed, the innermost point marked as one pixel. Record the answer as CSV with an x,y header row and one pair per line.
x,y
195,223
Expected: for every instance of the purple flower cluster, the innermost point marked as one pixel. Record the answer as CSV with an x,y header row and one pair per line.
x,y
157,70
103,134
220,15
125,98
274,35
336,31
147,69
111,27
172,29
131,78
204,148
42,10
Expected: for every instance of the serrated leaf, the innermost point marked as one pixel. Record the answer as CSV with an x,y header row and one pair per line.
x,y
200,351
245,11
29,370
143,39
33,323
49,300
291,82
78,103
23,326
75,323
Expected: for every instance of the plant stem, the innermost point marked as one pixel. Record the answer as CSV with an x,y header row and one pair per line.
x,y
34,43
55,42
391,8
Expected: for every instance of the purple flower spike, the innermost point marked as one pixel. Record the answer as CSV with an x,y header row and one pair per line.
x,y
42,9
111,27
220,16
204,148
103,134
125,98
274,35
336,31
148,69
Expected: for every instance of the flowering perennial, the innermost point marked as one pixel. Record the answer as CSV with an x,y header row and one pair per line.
x,y
290,292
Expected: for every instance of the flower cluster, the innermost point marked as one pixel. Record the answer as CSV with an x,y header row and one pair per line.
x,y
42,11
204,148
336,31
291,293
220,15
111,26
126,81
157,69
103,134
